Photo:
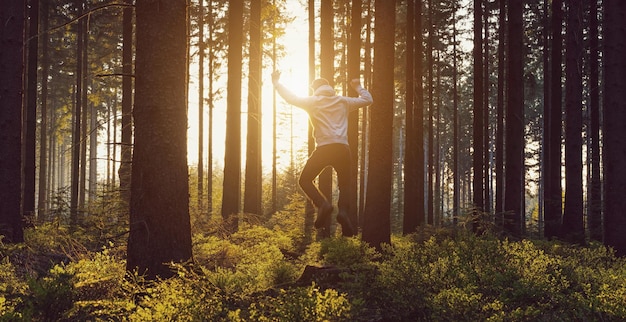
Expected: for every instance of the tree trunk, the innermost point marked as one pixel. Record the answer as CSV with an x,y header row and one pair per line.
x,y
573,228
376,227
614,120
431,30
210,120
499,209
232,153
514,177
327,70
594,214
77,116
11,80
354,67
309,208
552,155
127,105
478,108
456,204
253,182
201,50
160,230
30,112
44,162
414,152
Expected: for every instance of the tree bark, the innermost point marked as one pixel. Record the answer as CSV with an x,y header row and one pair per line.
x,y
595,186
253,182
30,112
478,108
11,80
614,120
354,66
44,162
552,155
573,228
160,230
327,71
499,194
232,153
77,119
376,227
126,150
514,177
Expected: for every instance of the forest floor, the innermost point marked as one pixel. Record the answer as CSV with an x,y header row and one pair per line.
x,y
270,273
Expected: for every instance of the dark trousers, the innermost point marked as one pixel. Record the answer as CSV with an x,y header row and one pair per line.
x,y
334,155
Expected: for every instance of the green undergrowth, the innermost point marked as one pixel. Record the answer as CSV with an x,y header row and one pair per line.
x,y
256,274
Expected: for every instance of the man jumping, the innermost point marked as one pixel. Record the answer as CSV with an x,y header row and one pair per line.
x,y
328,114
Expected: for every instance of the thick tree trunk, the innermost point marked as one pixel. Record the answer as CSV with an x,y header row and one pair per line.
x,y
30,112
232,153
127,105
160,230
253,182
376,227
614,119
478,108
552,155
514,177
11,80
414,152
573,224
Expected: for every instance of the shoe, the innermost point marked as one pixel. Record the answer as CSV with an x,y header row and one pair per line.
x,y
346,225
323,215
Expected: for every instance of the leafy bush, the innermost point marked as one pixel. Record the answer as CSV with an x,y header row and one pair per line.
x,y
302,304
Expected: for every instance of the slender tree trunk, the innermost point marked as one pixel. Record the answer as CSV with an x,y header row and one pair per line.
x,y
160,229
552,156
327,70
546,108
30,110
232,154
253,182
44,162
11,80
500,113
367,75
486,110
456,204
376,227
201,51
127,105
82,185
614,102
478,108
354,67
210,120
594,214
514,177
77,115
431,30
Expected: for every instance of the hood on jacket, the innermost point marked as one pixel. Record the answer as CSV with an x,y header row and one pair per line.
x,y
325,90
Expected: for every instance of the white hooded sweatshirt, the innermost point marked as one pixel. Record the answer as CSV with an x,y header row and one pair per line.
x,y
328,112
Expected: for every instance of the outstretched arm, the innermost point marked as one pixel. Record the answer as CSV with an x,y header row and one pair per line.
x,y
287,95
